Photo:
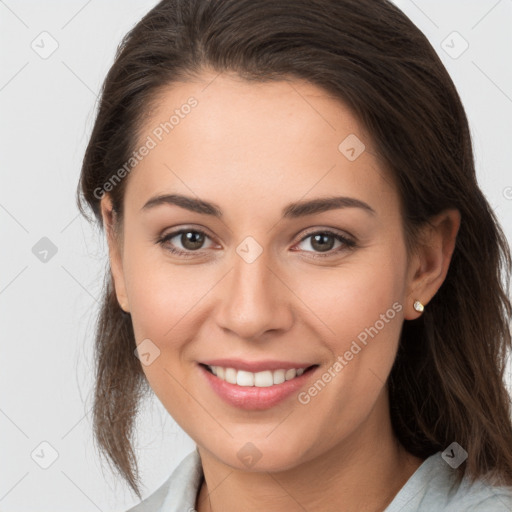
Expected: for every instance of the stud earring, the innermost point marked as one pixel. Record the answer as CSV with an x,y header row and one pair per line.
x,y
418,306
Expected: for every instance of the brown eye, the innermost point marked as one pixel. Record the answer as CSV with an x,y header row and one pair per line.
x,y
323,243
184,241
192,240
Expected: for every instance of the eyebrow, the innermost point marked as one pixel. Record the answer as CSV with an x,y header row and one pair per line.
x,y
292,210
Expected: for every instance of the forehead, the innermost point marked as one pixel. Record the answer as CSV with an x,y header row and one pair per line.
x,y
221,132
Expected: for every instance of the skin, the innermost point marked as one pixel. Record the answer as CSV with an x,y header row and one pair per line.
x,y
253,148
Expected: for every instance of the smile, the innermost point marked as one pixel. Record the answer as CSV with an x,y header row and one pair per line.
x,y
255,390
261,379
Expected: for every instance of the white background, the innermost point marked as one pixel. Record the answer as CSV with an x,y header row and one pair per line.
x,y
48,309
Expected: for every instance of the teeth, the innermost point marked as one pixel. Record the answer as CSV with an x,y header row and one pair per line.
x,y
245,378
278,376
290,374
230,375
262,379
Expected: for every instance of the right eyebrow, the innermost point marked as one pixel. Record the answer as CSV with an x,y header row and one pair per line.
x,y
189,203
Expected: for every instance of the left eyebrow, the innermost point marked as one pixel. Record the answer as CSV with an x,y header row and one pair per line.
x,y
303,208
292,210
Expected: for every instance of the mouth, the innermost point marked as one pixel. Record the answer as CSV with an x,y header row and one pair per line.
x,y
261,379
256,390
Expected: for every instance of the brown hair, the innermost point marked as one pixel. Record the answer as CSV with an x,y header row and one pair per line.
x,y
447,383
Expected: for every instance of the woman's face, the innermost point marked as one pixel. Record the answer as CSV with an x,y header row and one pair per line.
x,y
291,256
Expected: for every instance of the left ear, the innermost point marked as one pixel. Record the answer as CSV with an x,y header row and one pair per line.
x,y
429,263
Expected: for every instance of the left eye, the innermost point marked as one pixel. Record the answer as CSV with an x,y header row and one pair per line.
x,y
324,241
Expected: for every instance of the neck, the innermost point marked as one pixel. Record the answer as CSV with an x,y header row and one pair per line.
x,y
363,473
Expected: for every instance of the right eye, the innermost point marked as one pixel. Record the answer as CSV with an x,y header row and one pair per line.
x,y
191,240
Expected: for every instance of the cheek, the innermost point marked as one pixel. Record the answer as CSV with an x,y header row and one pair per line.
x,y
361,313
160,294
160,299
355,297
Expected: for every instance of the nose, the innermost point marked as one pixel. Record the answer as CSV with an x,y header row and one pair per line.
x,y
254,300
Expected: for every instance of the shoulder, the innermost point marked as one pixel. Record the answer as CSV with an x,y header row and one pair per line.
x,y
179,491
433,487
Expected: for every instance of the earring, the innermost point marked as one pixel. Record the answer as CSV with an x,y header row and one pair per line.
x,y
418,306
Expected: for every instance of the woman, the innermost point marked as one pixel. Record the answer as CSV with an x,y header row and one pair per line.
x,y
302,266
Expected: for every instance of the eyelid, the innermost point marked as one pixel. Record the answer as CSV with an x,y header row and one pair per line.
x,y
331,231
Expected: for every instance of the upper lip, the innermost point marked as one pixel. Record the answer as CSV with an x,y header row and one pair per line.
x,y
255,366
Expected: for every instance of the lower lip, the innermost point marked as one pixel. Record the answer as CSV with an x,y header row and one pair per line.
x,y
252,397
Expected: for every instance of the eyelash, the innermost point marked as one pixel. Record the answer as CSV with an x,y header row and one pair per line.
x,y
348,243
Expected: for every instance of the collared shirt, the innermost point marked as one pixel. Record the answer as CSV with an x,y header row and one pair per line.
x,y
430,489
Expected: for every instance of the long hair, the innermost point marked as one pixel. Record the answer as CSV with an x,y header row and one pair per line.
x,y
447,383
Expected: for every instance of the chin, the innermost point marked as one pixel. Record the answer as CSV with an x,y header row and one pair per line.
x,y
260,454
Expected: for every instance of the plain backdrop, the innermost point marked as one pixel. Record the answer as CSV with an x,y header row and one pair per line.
x,y
54,57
